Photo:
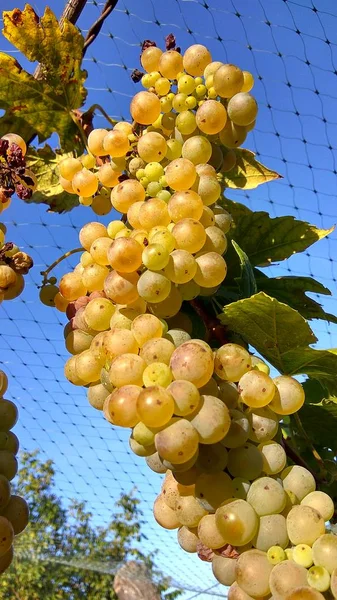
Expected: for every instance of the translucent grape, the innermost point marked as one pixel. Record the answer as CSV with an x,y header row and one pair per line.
x,y
304,525
127,369
325,552
125,255
157,350
181,267
193,362
211,117
97,394
180,174
241,487
223,568
188,539
157,374
8,414
121,406
228,80
185,204
153,287
289,396
113,228
253,571
88,366
121,287
274,457
8,465
85,183
145,328
211,270
119,341
272,531
267,496
321,502
195,60
154,213
209,534
256,389
186,122
126,193
215,240
116,143
231,362
189,235
298,480
286,576
98,313
242,109
6,535
302,555
319,578
174,149
168,307
145,107
68,167
263,425
245,461
155,406
186,397
95,142
197,149
248,81
275,555
178,442
150,58
232,135
170,64
237,521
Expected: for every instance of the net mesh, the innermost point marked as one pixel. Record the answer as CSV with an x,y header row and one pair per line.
x,y
291,48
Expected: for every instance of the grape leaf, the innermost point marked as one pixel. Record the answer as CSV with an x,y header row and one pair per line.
x,y
320,422
265,239
248,173
42,105
315,392
282,336
43,162
292,291
246,282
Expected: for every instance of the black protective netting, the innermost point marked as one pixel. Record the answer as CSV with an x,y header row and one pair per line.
x,y
291,48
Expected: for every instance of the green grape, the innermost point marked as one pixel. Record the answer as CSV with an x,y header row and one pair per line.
x,y
164,195
211,117
6,535
185,204
238,431
186,397
178,442
145,108
263,424
276,554
186,84
209,534
302,555
319,579
298,480
285,577
169,307
325,552
162,86
259,365
186,122
193,362
321,502
212,458
208,188
8,412
127,369
304,525
157,374
179,102
157,350
223,219
232,135
228,393
272,531
237,521
8,464
231,362
153,287
143,435
212,489
241,487
289,396
197,149
274,457
174,149
245,461
227,80
242,109
5,492
17,513
98,313
113,228
155,406
210,388
189,291
97,394
153,189
256,389
211,270
140,450
188,539
267,496
189,235
155,257
153,171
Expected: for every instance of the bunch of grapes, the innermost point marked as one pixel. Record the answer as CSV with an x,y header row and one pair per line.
x,y
14,511
193,113
14,264
208,418
14,177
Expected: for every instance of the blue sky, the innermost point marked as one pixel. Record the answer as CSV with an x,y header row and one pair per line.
x,y
292,51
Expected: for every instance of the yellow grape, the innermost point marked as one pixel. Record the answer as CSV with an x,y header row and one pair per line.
x,y
154,213
124,255
211,270
72,286
211,117
155,406
126,193
188,539
150,58
253,570
177,442
185,204
93,277
127,369
153,286
186,397
164,515
145,107
289,396
120,407
95,142
157,350
192,362
304,525
68,167
228,80
189,235
224,569
91,232
195,59
321,502
116,143
6,535
121,287
85,183
211,419
180,174
98,313
157,374
231,362
117,342
152,147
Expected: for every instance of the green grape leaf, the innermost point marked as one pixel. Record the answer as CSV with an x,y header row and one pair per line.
x,y
248,173
282,336
246,282
320,423
44,104
292,291
265,239
44,162
315,392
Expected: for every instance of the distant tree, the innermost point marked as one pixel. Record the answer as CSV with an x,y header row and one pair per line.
x,y
61,555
